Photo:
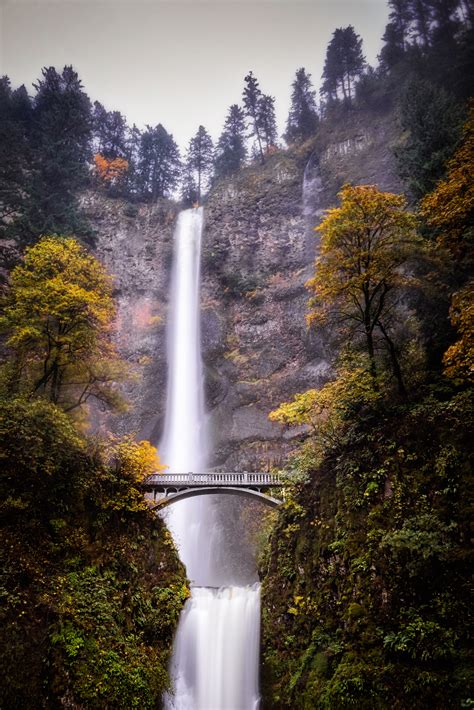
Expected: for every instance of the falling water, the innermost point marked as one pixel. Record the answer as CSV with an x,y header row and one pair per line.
x,y
215,657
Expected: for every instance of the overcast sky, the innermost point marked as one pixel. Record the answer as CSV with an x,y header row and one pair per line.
x,y
180,63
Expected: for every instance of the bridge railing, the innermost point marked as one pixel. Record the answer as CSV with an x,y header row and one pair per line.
x,y
214,478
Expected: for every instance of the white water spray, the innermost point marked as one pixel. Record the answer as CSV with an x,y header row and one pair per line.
x,y
215,657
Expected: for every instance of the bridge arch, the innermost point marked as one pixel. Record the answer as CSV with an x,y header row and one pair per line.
x,y
185,493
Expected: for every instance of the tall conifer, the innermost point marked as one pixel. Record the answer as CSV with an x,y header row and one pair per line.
x,y
303,117
231,151
200,160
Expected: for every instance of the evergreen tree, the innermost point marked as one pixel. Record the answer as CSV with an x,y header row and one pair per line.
x,y
432,122
392,51
251,99
132,156
189,190
59,158
267,121
344,63
396,37
200,160
445,20
400,17
302,118
159,164
15,124
110,132
231,151
421,13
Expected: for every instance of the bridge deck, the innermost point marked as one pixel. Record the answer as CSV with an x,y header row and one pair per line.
x,y
161,482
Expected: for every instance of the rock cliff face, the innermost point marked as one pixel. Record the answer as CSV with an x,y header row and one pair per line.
x,y
135,243
258,251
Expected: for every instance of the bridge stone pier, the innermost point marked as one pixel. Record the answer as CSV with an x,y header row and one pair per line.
x,y
170,487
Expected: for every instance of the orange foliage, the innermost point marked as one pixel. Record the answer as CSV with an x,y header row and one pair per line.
x,y
459,358
110,170
449,208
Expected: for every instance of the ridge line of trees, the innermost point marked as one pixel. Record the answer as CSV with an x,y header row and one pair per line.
x,y
56,143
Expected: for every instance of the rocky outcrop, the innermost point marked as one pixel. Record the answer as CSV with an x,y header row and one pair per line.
x,y
135,244
258,251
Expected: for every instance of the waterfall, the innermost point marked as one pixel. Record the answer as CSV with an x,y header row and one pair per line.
x,y
215,657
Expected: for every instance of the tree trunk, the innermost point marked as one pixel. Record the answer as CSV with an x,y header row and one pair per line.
x,y
371,352
394,361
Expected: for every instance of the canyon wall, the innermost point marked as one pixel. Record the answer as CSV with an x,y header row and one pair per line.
x,y
259,247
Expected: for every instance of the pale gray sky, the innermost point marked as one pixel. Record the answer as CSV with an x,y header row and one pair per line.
x,y
180,63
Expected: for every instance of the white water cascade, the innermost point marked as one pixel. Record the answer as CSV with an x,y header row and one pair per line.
x,y
215,657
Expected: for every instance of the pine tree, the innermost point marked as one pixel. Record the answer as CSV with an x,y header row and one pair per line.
x,y
251,100
302,118
110,132
200,160
189,190
392,51
267,121
159,165
401,16
60,157
421,13
15,160
231,151
344,63
445,20
396,36
432,122
132,156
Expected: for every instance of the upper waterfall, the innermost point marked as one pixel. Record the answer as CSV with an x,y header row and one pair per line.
x,y
184,446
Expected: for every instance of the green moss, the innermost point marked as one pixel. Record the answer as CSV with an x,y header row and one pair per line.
x,y
375,543
91,592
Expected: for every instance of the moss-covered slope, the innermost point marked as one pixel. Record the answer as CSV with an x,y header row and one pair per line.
x,y
91,586
365,586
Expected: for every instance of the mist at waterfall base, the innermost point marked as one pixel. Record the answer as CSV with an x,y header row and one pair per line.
x,y
215,657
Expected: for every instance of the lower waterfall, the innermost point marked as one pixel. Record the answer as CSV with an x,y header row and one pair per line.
x,y
216,651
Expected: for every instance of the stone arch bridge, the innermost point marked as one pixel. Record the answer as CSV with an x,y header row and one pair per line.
x,y
179,486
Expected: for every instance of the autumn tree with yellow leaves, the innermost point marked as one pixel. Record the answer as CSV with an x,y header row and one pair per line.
x,y
449,212
459,357
366,244
58,321
324,411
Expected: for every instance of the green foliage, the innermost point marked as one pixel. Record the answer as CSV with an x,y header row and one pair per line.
x,y
91,588
325,411
231,151
366,583
59,141
199,165
344,64
260,111
302,118
159,166
431,121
